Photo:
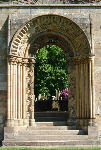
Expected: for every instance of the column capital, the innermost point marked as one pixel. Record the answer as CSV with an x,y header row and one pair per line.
x,y
12,59
25,61
32,60
79,59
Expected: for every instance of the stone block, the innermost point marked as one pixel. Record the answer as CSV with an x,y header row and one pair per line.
x,y
24,11
93,132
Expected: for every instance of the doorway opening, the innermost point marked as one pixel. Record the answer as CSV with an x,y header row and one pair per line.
x,y
51,84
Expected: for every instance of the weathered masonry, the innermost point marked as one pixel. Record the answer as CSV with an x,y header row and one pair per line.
x,y
27,26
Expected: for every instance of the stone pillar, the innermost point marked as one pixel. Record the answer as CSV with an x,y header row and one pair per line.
x,y
9,94
24,111
31,94
14,64
92,121
77,91
86,89
80,92
91,89
17,113
93,127
19,92
12,99
85,103
21,102
71,87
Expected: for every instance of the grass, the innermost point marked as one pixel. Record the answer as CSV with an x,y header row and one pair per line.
x,y
27,148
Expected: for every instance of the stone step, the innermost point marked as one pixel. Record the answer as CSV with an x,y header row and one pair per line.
x,y
51,114
52,143
52,132
50,119
51,123
52,128
49,137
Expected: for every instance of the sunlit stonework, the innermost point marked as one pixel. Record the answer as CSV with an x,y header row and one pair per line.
x,y
53,1
25,27
57,1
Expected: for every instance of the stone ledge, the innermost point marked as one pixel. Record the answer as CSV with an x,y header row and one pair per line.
x,y
49,5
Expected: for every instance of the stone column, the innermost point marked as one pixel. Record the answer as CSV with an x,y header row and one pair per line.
x,y
86,93
18,90
21,102
77,91
17,113
91,89
85,104
93,127
83,88
72,91
31,96
24,97
9,94
12,88
93,93
80,92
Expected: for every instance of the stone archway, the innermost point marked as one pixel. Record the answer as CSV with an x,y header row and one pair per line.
x,y
42,30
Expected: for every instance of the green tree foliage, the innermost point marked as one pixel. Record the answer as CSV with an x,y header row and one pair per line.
x,y
50,70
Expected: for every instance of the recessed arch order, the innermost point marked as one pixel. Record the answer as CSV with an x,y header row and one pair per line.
x,y
58,26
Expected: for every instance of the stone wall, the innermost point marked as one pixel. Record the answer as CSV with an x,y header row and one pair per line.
x,y
80,14
52,1
3,67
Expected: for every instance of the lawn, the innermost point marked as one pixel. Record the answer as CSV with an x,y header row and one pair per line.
x,y
27,148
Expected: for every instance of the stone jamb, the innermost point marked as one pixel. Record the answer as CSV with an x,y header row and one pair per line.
x,y
84,105
17,112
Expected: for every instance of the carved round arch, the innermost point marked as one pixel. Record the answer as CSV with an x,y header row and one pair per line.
x,y
40,31
62,27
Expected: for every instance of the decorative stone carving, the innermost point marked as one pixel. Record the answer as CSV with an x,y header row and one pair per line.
x,y
55,1
13,59
29,39
79,59
51,25
71,87
20,50
29,87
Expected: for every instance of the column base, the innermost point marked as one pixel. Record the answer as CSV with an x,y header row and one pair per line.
x,y
32,122
12,132
10,123
93,130
17,122
82,124
71,122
